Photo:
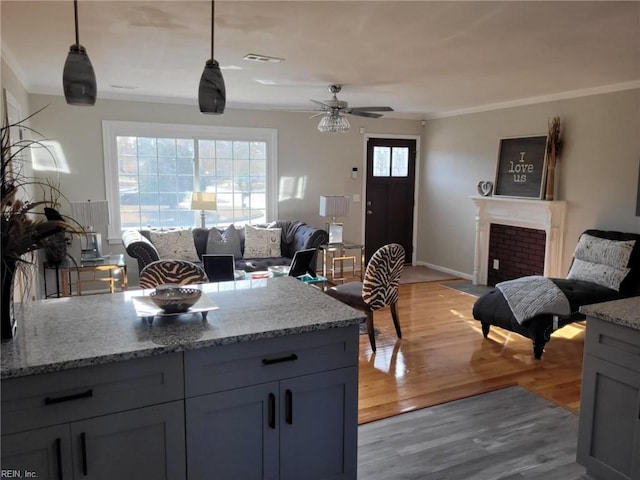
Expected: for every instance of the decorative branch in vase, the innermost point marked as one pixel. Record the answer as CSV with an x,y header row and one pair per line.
x,y
26,225
554,147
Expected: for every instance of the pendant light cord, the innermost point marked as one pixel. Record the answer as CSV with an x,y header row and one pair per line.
x,y
75,11
212,22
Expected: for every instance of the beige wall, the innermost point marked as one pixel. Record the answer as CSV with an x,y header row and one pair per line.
x,y
597,174
310,163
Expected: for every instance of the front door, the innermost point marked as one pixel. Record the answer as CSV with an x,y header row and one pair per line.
x,y
391,166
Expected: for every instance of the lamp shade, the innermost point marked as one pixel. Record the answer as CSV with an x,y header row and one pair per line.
x,y
212,94
78,78
334,206
91,214
203,201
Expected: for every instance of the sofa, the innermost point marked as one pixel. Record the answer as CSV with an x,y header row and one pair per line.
x,y
590,280
267,245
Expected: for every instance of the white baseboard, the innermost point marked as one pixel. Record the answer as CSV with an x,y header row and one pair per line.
x,y
466,276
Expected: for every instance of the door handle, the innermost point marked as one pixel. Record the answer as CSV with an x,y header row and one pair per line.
x,y
272,411
59,457
83,452
288,396
369,212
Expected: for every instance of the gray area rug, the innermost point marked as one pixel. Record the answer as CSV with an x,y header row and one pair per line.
x,y
508,434
468,287
420,273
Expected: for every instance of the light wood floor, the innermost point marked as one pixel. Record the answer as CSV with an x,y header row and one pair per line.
x,y
443,356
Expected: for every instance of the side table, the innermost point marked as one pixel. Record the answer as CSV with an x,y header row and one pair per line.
x,y
335,252
109,264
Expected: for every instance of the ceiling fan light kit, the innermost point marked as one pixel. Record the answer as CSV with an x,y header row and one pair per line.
x,y
334,121
212,93
331,123
78,77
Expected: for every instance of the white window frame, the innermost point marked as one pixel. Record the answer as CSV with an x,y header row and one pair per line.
x,y
112,129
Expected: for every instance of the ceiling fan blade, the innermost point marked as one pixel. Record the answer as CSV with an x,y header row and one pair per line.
x,y
318,114
365,114
372,109
322,104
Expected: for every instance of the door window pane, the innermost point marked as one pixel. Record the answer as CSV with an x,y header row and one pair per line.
x,y
381,161
400,162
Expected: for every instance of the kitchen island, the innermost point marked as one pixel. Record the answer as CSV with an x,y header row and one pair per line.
x,y
609,428
264,387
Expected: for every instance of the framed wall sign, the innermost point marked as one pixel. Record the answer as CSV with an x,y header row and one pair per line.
x,y
522,167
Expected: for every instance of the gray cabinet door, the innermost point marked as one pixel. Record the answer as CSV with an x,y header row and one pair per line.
x,y
42,454
319,426
234,434
138,444
609,432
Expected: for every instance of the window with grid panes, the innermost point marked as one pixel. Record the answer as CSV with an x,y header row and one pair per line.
x,y
152,171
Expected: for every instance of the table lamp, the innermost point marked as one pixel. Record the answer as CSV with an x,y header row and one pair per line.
x,y
334,206
203,201
90,215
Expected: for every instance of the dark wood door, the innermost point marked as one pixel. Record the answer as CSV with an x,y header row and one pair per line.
x,y
391,166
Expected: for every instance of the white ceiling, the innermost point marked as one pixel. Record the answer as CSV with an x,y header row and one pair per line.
x,y
423,58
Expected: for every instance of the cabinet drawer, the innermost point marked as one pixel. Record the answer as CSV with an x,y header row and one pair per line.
x,y
215,369
52,398
617,344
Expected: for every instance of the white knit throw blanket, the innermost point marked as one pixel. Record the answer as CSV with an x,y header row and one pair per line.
x,y
534,295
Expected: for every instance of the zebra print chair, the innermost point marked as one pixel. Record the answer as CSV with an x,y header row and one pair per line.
x,y
171,271
378,289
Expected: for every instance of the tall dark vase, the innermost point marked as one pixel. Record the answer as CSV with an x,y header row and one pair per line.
x,y
7,320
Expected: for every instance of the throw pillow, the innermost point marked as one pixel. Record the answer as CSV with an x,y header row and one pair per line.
x,y
600,250
225,242
261,242
598,273
175,245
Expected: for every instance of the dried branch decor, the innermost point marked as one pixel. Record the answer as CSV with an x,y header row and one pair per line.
x,y
25,224
554,147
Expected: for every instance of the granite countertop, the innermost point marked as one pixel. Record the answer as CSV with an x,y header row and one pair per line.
x,y
64,333
624,312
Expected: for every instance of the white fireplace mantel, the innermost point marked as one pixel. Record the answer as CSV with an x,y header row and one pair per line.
x,y
536,214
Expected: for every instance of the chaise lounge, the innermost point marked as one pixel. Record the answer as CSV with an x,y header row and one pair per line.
x,y
606,266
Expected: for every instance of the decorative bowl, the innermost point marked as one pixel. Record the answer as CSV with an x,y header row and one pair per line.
x,y
279,270
175,299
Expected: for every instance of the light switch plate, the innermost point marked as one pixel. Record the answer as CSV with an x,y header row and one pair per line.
x,y
356,198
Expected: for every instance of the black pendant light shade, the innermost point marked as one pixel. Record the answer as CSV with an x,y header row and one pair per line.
x,y
212,94
78,77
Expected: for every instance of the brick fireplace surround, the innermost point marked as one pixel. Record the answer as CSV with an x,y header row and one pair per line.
x,y
548,217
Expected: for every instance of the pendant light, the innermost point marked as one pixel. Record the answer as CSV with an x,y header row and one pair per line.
x,y
78,77
212,95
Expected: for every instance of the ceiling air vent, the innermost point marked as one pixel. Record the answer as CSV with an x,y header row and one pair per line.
x,y
253,57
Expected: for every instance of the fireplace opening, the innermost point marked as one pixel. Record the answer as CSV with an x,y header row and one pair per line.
x,y
514,252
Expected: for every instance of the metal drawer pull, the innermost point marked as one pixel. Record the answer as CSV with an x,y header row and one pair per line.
x,y
83,447
68,398
59,457
272,411
271,361
289,406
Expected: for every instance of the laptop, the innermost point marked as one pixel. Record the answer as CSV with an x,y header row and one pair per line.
x,y
301,263
219,267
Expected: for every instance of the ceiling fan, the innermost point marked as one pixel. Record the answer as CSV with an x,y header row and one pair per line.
x,y
333,112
